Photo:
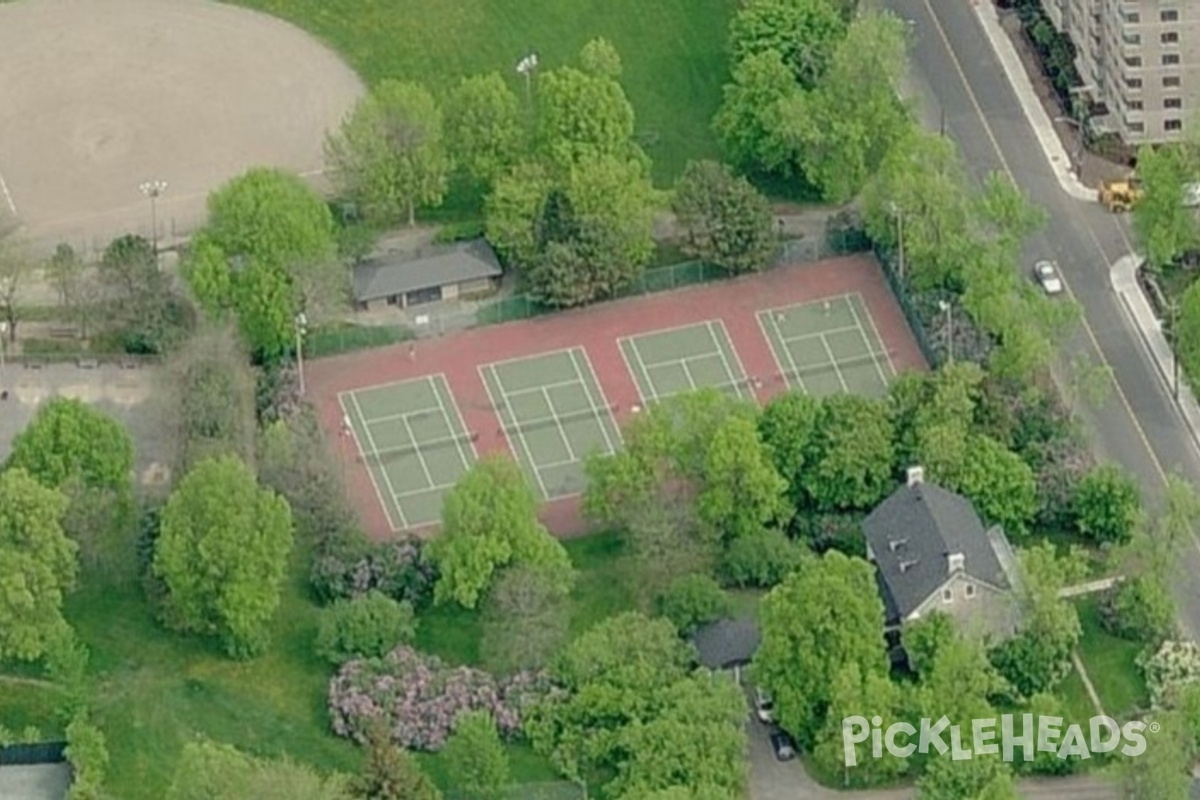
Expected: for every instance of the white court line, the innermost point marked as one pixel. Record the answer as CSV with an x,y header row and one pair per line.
x,y
435,488
833,363
770,315
734,381
587,389
862,332
515,432
402,416
458,414
641,367
687,371
412,438
557,423
370,440
543,387
7,196
882,345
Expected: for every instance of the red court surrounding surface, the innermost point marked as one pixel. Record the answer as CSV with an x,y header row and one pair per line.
x,y
596,329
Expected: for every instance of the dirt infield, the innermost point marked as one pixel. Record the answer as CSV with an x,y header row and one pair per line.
x,y
99,97
597,330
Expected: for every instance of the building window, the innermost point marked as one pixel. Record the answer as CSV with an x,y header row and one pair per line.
x,y
947,595
1173,102
1134,105
1170,37
1171,82
1133,83
1132,17
1170,59
969,590
1173,125
1171,15
1136,127
1134,61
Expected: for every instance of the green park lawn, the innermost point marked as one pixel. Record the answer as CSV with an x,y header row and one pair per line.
x,y
154,690
1111,664
673,51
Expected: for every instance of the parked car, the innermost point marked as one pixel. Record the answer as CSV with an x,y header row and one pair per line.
x,y
764,706
1047,275
783,745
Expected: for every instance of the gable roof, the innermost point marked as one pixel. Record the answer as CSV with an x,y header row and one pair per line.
x,y
390,274
727,643
913,531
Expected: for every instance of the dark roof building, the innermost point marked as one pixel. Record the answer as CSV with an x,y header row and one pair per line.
x,y
427,275
727,643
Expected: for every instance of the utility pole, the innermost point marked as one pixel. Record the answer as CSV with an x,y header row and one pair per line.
x,y
1174,340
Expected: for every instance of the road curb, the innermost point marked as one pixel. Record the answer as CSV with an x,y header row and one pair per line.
x,y
1043,128
1133,302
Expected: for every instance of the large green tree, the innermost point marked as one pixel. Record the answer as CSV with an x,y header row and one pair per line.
x,y
1165,227
475,756
1106,505
221,554
1001,485
582,116
68,440
37,565
1163,772
749,123
743,493
207,770
804,33
483,127
850,463
389,156
788,425
978,778
825,618
489,522
526,620
726,221
852,695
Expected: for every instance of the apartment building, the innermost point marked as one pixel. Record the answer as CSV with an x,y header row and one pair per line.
x,y
1139,59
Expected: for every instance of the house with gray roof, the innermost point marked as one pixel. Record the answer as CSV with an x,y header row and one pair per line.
x,y
932,553
445,272
727,643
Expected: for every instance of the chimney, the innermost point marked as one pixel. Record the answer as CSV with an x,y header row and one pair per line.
x,y
916,475
955,562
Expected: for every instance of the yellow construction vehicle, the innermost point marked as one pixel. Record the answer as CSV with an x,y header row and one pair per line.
x,y
1120,196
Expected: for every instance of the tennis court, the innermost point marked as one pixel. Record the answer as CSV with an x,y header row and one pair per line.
x,y
413,441
829,346
674,360
554,414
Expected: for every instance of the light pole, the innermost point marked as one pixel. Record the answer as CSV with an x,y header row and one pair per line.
x,y
948,310
301,323
153,189
1174,340
3,350
899,215
525,67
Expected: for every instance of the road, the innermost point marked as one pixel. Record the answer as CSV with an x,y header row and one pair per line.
x,y
956,69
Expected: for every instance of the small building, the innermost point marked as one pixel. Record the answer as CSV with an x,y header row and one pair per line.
x,y
933,554
727,644
447,272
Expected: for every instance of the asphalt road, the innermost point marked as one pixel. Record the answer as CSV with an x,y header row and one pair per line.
x,y
1136,425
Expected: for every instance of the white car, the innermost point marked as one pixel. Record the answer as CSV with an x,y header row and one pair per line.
x,y
764,706
1047,275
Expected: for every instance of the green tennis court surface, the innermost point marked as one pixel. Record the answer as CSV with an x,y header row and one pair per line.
x,y
667,362
829,346
554,415
413,440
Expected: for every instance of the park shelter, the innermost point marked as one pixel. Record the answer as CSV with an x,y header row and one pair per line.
x,y
440,272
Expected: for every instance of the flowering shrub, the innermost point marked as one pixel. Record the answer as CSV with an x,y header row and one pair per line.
x,y
420,697
396,569
1169,669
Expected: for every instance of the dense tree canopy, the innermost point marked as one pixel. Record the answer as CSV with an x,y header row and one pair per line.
x,y
803,33
207,770
1165,227
750,120
582,116
726,221
852,454
68,440
483,127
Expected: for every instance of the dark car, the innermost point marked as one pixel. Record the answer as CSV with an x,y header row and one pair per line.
x,y
783,745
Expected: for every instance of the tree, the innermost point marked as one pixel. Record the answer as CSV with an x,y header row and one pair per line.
x,y
1046,762
1187,330
390,773
1165,227
140,297
388,157
742,492
207,770
87,753
517,199
728,223
598,57
788,425
476,758
692,601
1106,505
749,123
977,778
761,559
221,553
65,272
1142,609
364,627
854,696
803,33
583,116
37,565
525,622
1000,485
1163,772
663,542
852,456
825,617
489,521
15,268
69,440
483,127
925,638
844,128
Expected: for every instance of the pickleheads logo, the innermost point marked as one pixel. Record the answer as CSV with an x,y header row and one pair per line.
x,y
995,736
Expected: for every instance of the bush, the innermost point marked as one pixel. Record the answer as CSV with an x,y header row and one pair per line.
x,y
692,601
1170,669
88,754
823,532
1141,610
354,567
419,698
364,627
459,232
1106,505
761,559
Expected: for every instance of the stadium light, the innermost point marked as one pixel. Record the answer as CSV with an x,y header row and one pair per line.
x,y
153,189
526,67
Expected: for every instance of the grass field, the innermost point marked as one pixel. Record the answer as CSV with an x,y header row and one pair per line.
x,y
673,51
1111,664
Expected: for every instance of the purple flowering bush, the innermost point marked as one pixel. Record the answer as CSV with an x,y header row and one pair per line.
x,y
397,569
419,697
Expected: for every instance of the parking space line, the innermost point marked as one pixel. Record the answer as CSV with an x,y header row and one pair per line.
x,y
587,389
375,452
515,432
